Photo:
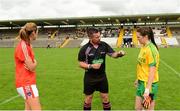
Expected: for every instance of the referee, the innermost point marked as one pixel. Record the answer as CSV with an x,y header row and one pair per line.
x,y
91,57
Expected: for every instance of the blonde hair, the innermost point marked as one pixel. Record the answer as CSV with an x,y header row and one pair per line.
x,y
26,31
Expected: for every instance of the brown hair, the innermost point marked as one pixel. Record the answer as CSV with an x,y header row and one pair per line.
x,y
147,31
26,31
91,31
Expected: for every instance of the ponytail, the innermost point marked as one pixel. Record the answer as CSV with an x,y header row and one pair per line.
x,y
24,36
26,31
151,37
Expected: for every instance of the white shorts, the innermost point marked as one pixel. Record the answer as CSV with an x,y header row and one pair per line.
x,y
27,92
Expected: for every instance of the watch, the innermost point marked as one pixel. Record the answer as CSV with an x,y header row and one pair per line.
x,y
90,66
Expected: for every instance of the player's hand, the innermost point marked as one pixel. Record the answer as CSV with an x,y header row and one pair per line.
x,y
147,99
146,93
35,61
136,83
147,102
96,66
25,66
29,64
121,53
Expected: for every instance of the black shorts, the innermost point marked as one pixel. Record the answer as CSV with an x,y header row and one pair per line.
x,y
101,86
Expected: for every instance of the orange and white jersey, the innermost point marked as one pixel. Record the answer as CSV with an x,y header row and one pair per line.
x,y
24,77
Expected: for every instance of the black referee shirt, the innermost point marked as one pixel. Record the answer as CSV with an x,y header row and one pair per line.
x,y
92,55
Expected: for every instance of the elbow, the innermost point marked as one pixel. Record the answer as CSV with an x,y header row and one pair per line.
x,y
80,66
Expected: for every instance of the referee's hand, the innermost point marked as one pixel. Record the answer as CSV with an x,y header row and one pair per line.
x,y
121,53
96,66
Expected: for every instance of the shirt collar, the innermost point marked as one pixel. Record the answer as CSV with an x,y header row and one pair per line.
x,y
26,42
100,43
147,44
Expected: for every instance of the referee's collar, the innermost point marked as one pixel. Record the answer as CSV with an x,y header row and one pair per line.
x,y
100,43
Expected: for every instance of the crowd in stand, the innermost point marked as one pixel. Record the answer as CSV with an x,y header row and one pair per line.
x,y
81,32
75,33
160,31
110,32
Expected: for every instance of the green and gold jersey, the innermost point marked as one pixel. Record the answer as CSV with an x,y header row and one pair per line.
x,y
148,56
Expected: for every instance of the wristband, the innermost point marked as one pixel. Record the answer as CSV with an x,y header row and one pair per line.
x,y
90,66
146,90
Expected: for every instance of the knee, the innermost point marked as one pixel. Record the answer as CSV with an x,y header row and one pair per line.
x,y
88,100
105,98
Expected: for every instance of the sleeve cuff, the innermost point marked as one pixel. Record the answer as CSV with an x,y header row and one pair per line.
x,y
152,64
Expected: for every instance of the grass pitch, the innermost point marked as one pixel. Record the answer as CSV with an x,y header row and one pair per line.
x,y
60,80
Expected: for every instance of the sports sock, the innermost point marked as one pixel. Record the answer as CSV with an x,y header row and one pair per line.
x,y
107,106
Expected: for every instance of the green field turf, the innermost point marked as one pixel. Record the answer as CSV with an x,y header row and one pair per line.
x,y
59,80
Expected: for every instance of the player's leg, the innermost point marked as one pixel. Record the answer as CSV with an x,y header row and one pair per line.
x,y
32,97
103,88
152,105
27,107
34,103
138,103
87,102
154,92
104,97
105,101
88,91
21,92
139,96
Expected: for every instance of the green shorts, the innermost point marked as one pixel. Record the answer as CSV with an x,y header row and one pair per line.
x,y
141,89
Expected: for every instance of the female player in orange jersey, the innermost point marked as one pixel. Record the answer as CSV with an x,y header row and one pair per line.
x,y
25,67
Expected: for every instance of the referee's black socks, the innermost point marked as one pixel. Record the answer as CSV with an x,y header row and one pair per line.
x,y
87,106
107,106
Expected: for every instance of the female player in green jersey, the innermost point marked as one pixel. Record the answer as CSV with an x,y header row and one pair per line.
x,y
147,70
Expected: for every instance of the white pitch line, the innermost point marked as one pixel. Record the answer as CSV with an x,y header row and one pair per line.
x,y
10,99
176,72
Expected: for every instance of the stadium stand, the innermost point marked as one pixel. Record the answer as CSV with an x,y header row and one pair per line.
x,y
175,31
43,42
7,43
119,31
8,33
171,41
158,41
73,43
110,31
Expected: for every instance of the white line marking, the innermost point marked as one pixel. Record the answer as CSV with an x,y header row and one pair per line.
x,y
176,72
10,99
